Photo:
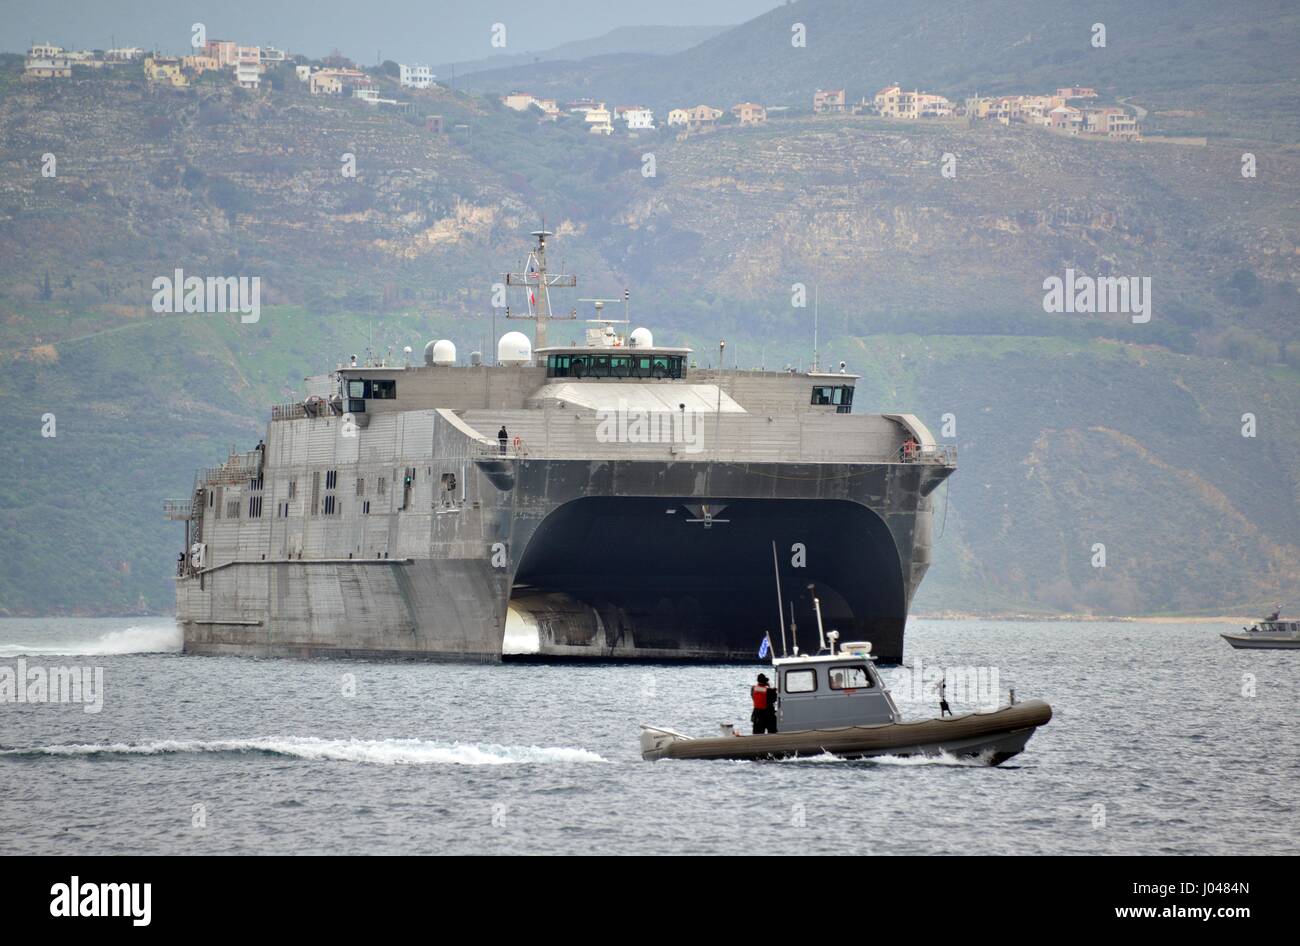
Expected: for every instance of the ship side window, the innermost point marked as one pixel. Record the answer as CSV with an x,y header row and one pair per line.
x,y
383,390
801,681
358,389
850,678
356,405
822,395
557,366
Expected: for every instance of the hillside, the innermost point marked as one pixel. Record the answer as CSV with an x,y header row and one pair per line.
x,y
1071,429
1232,67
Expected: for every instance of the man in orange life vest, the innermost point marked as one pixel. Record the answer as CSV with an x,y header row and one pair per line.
x,y
764,697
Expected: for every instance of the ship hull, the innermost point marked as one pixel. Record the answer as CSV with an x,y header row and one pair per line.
x,y
571,559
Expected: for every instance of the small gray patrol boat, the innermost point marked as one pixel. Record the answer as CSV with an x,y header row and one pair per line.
x,y
1270,633
835,702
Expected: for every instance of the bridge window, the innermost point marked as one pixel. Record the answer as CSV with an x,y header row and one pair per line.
x,y
850,678
800,681
379,390
838,395
605,365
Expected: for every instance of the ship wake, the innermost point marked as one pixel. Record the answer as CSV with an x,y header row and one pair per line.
x,y
137,639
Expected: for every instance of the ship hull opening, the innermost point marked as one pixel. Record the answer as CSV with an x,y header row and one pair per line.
x,y
653,578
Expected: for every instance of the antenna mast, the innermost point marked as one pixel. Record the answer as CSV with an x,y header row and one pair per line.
x,y
815,313
537,284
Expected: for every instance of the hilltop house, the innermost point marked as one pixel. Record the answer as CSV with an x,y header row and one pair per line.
x,y
1113,122
46,61
1076,92
679,116
166,69
637,117
414,76
248,67
1037,109
829,100
334,81
271,54
224,51
123,54
1065,118
704,115
893,102
519,101
599,121
749,113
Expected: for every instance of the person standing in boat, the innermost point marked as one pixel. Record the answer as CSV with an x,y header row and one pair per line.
x,y
943,698
764,715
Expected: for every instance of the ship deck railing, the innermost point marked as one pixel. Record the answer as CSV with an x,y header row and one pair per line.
x,y
517,449
291,411
178,510
238,468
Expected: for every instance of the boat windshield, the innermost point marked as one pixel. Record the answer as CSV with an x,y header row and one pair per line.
x,y
850,678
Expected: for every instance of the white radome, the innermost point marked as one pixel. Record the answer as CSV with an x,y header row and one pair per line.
x,y
641,338
514,349
442,353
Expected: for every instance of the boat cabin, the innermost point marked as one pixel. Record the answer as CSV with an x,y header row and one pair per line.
x,y
824,691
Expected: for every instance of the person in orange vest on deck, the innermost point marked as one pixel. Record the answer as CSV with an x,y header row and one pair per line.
x,y
764,697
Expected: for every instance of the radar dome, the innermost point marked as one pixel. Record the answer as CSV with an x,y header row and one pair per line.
x,y
641,338
514,349
441,352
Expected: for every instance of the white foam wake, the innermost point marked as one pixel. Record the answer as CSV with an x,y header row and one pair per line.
x,y
151,639
373,752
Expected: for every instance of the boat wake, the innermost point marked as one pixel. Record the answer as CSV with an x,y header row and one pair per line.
x,y
943,758
365,751
155,639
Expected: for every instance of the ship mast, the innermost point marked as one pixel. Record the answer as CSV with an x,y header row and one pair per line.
x,y
537,284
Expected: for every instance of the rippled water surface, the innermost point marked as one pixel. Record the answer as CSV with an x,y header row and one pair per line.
x,y
1157,746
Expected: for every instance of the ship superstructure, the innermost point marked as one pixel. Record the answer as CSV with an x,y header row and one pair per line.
x,y
605,499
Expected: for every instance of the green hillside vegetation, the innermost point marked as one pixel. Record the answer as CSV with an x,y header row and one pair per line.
x,y
1072,429
1233,66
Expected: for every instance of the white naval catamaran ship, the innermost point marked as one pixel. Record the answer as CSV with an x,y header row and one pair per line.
x,y
604,499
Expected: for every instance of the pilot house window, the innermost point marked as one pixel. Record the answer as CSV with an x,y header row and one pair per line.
x,y
850,678
575,365
840,395
800,681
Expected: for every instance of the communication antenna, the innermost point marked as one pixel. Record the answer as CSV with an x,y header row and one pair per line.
x,y
537,284
815,314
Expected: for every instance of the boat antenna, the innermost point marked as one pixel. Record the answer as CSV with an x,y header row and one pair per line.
x,y
780,608
816,296
794,632
817,607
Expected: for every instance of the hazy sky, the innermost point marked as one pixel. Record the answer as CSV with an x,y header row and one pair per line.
x,y
418,30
